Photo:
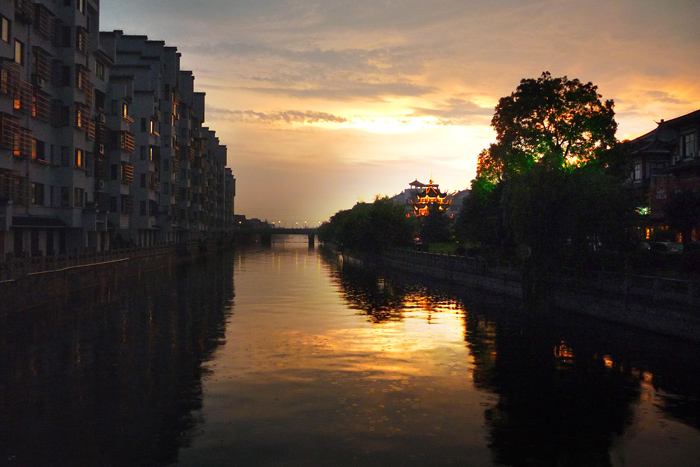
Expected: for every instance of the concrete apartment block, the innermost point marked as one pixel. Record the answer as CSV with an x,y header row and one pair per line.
x,y
101,138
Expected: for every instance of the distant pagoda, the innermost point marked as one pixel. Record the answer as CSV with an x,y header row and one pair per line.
x,y
424,196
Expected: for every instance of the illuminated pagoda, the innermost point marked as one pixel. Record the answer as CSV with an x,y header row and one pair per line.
x,y
424,196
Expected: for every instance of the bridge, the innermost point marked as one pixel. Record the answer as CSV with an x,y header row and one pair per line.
x,y
266,233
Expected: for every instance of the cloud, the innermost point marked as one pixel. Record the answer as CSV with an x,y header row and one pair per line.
x,y
374,92
458,112
285,116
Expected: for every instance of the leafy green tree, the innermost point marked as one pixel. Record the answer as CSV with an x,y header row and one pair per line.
x,y
559,122
480,221
369,227
553,179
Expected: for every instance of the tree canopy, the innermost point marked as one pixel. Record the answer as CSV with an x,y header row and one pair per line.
x,y
552,185
555,121
369,227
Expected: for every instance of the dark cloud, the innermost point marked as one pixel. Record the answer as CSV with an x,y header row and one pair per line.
x,y
665,97
457,111
350,91
284,116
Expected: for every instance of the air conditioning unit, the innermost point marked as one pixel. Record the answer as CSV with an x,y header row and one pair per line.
x,y
100,184
102,148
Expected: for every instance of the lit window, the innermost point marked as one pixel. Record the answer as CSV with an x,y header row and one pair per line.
x,y
79,162
5,33
19,52
638,171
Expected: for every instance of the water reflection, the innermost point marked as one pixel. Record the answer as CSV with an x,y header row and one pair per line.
x,y
577,402
111,378
320,365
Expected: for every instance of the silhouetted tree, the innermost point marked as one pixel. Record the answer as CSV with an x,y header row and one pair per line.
x,y
436,226
553,177
369,227
558,122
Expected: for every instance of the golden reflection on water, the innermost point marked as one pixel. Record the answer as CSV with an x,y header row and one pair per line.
x,y
372,371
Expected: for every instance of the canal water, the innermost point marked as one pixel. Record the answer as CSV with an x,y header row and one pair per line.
x,y
282,356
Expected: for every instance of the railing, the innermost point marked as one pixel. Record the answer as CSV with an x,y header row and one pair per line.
x,y
17,267
675,292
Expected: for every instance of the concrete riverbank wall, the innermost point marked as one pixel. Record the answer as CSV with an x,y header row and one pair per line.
x,y
30,282
663,305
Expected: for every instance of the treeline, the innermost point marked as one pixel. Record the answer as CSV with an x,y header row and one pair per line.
x,y
550,191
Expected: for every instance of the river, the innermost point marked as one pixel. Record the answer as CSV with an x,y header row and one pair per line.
x,y
279,355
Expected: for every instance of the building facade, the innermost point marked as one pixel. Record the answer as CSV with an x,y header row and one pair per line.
x,y
665,162
101,137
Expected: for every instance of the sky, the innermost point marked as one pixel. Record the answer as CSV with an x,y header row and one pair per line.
x,y
324,103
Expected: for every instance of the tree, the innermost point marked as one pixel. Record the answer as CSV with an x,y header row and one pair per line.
x,y
436,226
559,122
551,181
369,227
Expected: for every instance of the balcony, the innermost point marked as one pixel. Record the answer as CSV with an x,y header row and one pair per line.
x,y
24,11
15,187
44,22
84,83
42,107
126,141
9,127
82,40
127,173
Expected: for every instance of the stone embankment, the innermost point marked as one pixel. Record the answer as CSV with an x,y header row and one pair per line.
x,y
654,303
28,282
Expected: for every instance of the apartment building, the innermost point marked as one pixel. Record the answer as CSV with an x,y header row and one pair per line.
x,y
101,137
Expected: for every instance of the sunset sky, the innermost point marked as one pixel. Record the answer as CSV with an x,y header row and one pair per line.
x,y
326,103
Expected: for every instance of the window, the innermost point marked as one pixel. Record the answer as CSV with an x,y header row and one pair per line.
x,y
19,52
64,156
125,110
637,171
688,145
65,193
143,124
79,161
38,194
39,150
113,204
80,4
100,70
143,180
78,197
5,32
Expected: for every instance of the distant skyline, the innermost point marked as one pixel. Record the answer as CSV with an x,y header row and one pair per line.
x,y
325,103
